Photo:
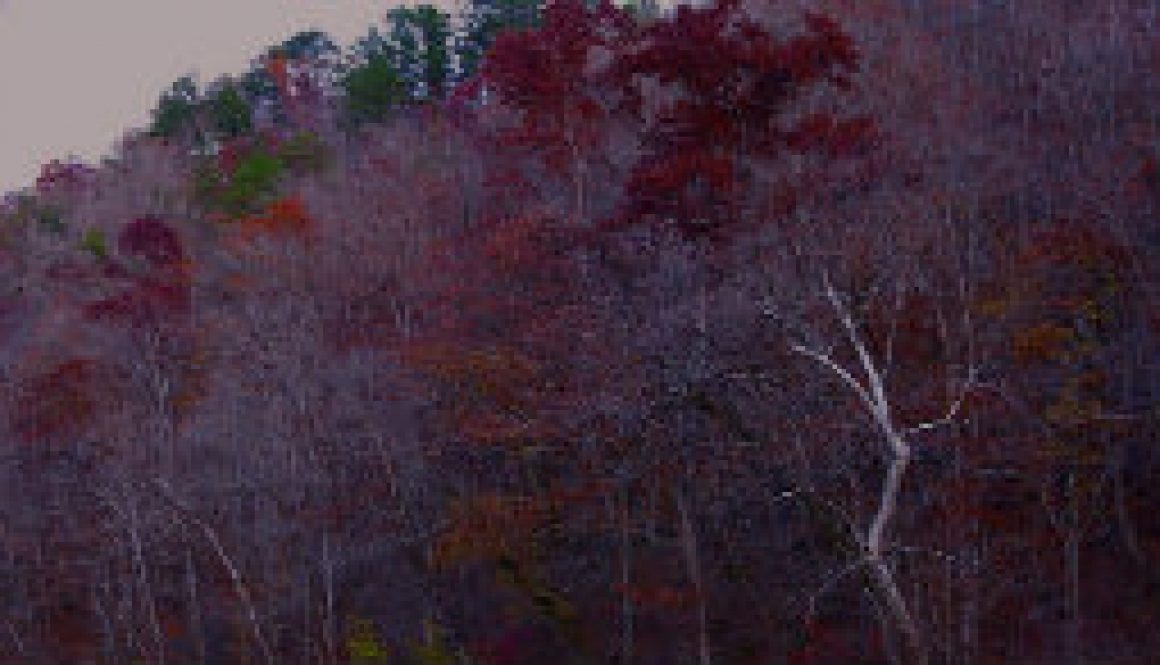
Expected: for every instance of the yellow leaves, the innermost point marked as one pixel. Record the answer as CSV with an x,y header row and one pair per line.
x,y
1041,343
993,307
494,388
495,375
1074,405
363,645
239,281
487,527
1094,312
1070,410
434,649
453,361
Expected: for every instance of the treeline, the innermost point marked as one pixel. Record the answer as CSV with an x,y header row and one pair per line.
x,y
757,332
415,59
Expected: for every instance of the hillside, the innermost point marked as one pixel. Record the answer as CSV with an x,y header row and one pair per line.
x,y
817,332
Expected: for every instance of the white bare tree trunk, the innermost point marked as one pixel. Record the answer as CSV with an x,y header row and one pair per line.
x,y
240,586
871,393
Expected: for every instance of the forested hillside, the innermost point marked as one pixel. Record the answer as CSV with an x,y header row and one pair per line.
x,y
815,332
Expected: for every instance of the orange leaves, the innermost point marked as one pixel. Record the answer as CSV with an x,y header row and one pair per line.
x,y
59,401
501,320
1068,284
276,67
1040,343
286,217
487,527
482,370
490,388
820,132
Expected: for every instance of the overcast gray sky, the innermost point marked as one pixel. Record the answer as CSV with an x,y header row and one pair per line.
x,y
74,74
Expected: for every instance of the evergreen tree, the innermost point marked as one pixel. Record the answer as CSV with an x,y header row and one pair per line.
x,y
418,47
373,89
229,113
176,110
309,45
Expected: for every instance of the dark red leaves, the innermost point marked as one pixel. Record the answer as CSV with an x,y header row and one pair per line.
x,y
690,188
726,109
57,402
148,302
711,117
69,176
152,240
553,81
821,133
157,297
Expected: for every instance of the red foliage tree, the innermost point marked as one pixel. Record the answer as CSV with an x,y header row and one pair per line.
x,y
158,293
728,110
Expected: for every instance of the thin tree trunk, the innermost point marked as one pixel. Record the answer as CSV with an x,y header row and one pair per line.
x,y
145,584
1072,554
626,607
195,623
235,574
693,566
328,627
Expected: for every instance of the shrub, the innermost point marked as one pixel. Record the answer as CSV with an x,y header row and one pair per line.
x,y
304,152
250,186
94,242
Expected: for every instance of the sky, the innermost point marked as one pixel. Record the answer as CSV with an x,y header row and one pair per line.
x,y
75,74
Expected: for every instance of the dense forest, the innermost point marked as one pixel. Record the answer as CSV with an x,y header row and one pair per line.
x,y
813,332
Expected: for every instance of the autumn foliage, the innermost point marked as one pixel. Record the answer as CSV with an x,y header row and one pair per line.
x,y
746,332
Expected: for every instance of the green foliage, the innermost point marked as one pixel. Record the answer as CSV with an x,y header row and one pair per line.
x,y
230,113
260,89
51,219
247,190
253,182
437,58
411,64
304,152
176,109
403,46
373,44
644,11
307,44
434,60
94,242
373,90
256,83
